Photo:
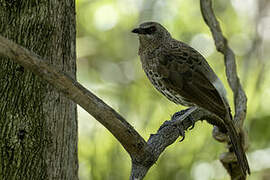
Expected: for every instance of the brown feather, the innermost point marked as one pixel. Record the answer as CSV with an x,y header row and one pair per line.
x,y
183,75
186,75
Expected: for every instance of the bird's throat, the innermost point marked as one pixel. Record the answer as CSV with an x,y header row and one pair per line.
x,y
148,45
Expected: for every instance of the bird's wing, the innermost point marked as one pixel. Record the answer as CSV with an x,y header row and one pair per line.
x,y
191,76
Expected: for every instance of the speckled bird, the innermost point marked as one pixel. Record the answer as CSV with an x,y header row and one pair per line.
x,y
182,74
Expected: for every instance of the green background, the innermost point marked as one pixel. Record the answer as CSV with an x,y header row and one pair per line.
x,y
109,66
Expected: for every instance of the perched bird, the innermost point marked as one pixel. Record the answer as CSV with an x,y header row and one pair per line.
x,y
182,74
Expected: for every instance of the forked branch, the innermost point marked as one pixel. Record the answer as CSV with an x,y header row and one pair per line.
x,y
143,154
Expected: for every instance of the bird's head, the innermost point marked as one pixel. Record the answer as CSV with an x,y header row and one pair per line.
x,y
151,33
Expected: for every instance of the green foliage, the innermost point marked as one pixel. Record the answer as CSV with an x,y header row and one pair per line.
x,y
108,64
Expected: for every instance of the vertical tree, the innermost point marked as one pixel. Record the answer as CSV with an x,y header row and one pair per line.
x,y
38,125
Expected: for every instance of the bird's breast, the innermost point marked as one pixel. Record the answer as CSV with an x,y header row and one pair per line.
x,y
161,84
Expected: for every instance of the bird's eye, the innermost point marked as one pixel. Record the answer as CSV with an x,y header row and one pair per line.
x,y
151,30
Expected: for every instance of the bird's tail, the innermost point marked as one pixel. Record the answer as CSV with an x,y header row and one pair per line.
x,y
237,145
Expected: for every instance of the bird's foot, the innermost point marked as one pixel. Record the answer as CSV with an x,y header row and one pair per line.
x,y
182,133
179,126
182,121
192,121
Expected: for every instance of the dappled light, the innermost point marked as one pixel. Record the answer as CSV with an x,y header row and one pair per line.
x,y
108,64
105,18
203,43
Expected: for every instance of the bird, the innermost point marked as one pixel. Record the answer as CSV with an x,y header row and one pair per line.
x,y
183,76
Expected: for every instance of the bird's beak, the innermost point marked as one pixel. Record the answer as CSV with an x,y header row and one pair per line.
x,y
138,31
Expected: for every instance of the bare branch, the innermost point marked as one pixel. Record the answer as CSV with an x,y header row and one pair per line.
x,y
73,90
167,134
240,99
143,154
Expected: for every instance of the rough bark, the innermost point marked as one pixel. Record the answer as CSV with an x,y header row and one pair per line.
x,y
143,154
38,125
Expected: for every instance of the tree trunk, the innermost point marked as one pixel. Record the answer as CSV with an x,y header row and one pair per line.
x,y
38,126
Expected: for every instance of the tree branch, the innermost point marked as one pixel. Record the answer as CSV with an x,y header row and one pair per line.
x,y
73,90
143,154
167,134
240,99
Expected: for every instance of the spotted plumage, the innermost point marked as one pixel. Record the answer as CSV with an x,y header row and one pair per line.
x,y
182,74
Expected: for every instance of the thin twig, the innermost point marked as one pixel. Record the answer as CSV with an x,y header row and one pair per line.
x,y
240,99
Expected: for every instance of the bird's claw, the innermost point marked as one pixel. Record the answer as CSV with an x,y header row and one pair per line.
x,y
182,133
180,125
192,121
182,139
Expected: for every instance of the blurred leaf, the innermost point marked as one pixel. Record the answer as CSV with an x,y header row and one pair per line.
x,y
108,64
